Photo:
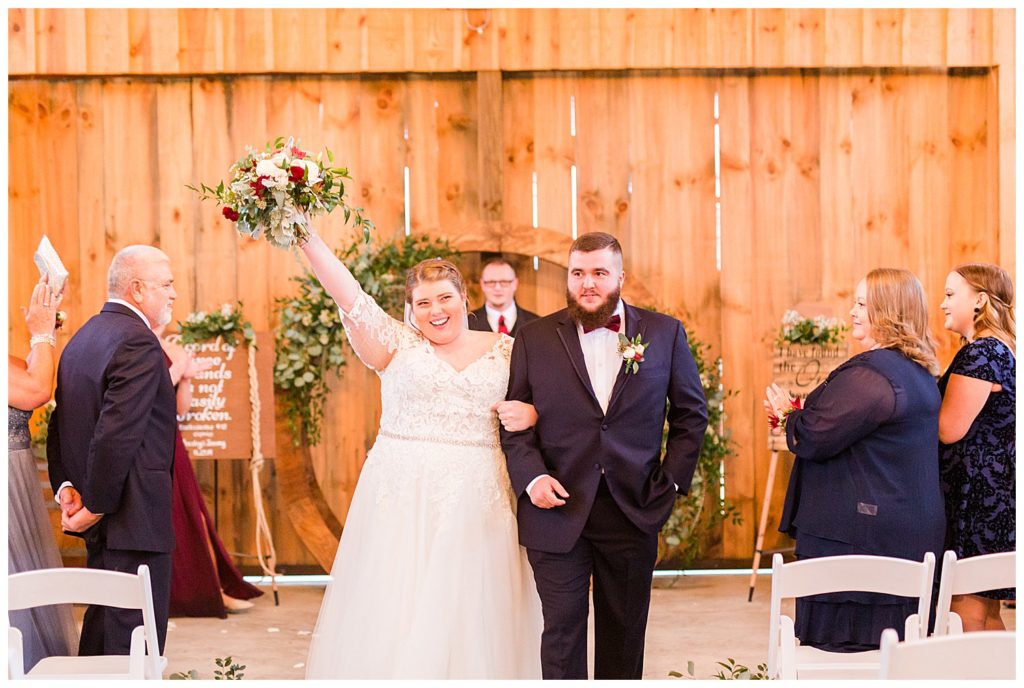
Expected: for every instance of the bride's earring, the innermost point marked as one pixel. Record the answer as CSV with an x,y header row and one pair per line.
x,y
465,314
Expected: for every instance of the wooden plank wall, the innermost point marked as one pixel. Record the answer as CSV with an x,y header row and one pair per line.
x,y
824,173
240,41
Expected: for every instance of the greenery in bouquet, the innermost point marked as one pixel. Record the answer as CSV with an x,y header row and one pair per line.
x,y
273,192
796,329
310,339
226,322
703,507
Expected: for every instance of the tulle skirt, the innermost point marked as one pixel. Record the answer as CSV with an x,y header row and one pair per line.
x,y
46,631
429,581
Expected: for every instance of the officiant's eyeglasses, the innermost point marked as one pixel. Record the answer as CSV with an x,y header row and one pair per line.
x,y
497,283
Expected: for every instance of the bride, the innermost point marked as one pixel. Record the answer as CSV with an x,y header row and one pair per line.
x,y
429,580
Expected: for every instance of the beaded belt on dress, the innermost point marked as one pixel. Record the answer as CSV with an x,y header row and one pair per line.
x,y
440,440
15,445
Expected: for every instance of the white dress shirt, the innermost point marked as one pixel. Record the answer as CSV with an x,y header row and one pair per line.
x,y
601,353
509,313
603,360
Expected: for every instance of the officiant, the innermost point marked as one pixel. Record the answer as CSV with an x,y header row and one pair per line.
x,y
500,312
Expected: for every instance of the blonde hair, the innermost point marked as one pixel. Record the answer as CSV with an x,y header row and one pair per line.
x,y
898,312
433,270
995,316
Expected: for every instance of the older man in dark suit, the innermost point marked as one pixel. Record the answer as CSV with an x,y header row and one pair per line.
x,y
593,489
500,312
111,441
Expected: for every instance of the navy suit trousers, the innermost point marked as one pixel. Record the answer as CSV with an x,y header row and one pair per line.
x,y
621,559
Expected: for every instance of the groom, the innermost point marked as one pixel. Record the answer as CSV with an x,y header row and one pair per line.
x,y
593,490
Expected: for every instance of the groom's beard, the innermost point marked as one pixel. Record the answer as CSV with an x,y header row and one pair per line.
x,y
592,319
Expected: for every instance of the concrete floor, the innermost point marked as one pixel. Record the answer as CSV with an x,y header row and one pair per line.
x,y
703,619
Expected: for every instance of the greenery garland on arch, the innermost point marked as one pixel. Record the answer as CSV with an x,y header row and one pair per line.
x,y
228,323
310,340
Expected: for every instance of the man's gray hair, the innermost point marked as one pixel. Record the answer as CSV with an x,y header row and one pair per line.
x,y
124,267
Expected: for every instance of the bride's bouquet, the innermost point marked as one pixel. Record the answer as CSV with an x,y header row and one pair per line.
x,y
274,192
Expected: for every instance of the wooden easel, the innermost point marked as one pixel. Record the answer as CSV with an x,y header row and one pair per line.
x,y
776,443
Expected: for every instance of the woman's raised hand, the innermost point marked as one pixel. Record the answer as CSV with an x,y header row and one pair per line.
x,y
41,315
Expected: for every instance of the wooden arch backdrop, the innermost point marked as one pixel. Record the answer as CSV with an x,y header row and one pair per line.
x,y
307,509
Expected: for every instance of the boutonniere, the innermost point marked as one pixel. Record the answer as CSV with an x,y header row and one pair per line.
x,y
632,351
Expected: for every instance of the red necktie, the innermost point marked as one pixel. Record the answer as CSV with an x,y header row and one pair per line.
x,y
501,325
613,324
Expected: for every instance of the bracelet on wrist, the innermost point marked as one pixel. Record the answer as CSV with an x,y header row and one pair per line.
x,y
42,338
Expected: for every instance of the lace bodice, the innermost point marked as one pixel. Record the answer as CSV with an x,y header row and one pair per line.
x,y
424,397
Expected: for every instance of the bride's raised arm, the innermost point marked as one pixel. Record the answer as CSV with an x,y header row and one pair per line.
x,y
374,335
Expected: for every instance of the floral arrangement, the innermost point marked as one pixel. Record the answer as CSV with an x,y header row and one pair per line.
x,y
309,341
229,670
273,192
703,507
227,323
632,352
796,329
730,671
776,423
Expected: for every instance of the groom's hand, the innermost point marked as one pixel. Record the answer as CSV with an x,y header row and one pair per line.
x,y
547,493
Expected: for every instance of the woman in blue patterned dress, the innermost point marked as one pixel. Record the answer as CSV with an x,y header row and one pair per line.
x,y
977,423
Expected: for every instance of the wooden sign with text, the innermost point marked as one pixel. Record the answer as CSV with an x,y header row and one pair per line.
x,y
218,424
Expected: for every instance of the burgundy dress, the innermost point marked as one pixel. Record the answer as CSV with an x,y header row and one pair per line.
x,y
195,585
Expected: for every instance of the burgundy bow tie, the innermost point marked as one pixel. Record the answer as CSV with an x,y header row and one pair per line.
x,y
613,324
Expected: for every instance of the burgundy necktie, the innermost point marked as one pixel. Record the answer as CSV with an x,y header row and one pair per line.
x,y
613,324
501,325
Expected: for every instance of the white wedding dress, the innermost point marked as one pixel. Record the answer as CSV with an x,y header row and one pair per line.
x,y
429,581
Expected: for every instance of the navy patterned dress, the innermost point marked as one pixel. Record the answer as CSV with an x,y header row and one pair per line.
x,y
979,472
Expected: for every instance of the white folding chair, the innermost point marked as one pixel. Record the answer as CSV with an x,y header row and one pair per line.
x,y
789,660
989,655
87,586
967,576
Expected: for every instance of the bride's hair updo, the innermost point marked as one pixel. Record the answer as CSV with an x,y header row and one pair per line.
x,y
433,270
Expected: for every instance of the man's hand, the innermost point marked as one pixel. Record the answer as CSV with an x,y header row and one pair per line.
x,y
515,416
70,501
546,492
80,522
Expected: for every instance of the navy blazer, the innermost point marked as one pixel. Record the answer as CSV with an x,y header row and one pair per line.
x,y
866,470
574,440
112,432
478,320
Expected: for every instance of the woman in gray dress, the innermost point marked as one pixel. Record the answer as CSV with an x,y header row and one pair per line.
x,y
30,543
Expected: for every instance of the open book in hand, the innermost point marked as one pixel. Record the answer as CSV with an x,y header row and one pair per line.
x,y
49,263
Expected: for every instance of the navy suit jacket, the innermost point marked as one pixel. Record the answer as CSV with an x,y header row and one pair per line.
x,y
112,432
574,441
867,468
478,320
